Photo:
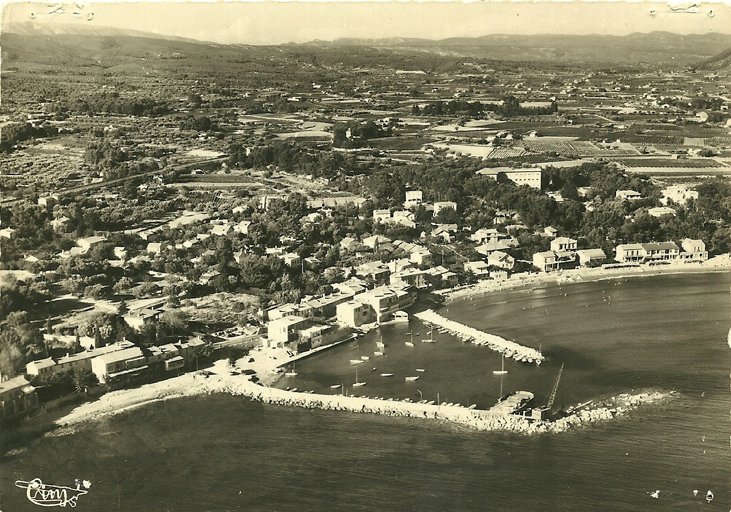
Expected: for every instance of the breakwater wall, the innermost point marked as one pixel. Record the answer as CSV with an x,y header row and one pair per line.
x,y
506,347
223,379
499,417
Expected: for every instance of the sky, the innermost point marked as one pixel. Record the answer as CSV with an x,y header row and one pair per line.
x,y
275,22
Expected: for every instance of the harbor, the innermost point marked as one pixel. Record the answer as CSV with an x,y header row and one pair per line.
x,y
507,348
224,378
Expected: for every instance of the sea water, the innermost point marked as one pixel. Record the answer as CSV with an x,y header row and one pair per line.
x,y
222,452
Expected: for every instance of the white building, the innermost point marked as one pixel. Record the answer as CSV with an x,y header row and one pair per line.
x,y
413,198
563,244
479,268
284,329
519,176
501,260
587,256
118,365
42,368
483,235
694,249
381,216
629,195
661,211
88,242
679,194
640,253
355,314
438,207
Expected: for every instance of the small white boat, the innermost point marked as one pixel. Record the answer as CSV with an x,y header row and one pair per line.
x,y
387,375
378,353
335,386
420,370
292,372
503,371
365,358
357,383
409,344
380,344
412,378
356,361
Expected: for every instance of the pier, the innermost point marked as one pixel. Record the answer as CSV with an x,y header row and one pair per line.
x,y
506,347
498,417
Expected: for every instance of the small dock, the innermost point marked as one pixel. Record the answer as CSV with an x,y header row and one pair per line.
x,y
506,347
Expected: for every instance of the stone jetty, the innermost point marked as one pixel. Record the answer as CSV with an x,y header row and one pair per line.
x,y
227,379
499,417
506,347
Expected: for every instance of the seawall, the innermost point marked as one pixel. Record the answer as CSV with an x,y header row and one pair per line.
x,y
506,347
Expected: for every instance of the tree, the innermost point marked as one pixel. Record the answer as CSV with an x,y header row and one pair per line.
x,y
12,359
175,319
83,378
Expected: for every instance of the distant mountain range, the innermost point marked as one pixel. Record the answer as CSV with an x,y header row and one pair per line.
x,y
720,61
651,48
26,42
78,29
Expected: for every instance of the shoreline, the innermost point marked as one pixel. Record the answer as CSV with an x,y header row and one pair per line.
x,y
198,384
227,379
718,264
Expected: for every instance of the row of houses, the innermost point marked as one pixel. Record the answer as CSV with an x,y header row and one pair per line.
x,y
351,306
692,250
564,255
120,361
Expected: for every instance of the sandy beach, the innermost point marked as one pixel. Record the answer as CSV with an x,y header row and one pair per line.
x,y
720,263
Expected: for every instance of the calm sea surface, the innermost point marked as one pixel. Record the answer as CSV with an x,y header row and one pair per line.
x,y
226,453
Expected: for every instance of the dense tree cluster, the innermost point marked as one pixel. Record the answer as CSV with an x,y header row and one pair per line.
x,y
509,107
111,103
197,123
355,133
20,342
292,158
13,133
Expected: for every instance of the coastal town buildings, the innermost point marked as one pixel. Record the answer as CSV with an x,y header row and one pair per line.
x,y
520,176
547,261
590,256
647,252
442,205
413,199
118,365
17,398
678,194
